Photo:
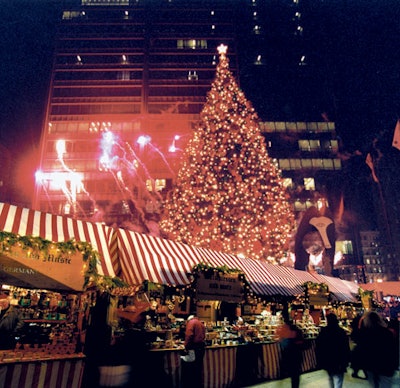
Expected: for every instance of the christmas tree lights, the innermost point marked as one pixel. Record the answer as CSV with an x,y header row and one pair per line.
x,y
229,195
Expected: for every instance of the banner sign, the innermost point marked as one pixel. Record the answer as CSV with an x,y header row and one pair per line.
x,y
219,286
53,270
318,299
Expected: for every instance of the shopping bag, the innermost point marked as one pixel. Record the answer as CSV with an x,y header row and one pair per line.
x,y
189,357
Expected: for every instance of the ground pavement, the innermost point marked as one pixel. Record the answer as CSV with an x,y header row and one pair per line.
x,y
319,379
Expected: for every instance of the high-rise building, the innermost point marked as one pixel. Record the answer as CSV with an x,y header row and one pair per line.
x,y
129,80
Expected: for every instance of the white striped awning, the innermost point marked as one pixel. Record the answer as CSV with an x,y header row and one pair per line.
x,y
342,290
143,257
27,222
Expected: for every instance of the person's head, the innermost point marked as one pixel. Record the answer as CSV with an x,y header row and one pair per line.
x,y
372,320
332,320
4,304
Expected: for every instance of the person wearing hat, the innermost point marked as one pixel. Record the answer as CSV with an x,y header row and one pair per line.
x,y
195,335
9,323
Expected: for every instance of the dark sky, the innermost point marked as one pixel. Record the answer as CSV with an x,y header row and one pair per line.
x,y
357,44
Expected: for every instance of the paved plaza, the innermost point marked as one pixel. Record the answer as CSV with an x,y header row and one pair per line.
x,y
319,379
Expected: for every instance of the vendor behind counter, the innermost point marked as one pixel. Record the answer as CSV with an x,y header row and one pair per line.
x,y
10,322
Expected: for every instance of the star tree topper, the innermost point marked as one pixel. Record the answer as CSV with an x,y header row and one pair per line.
x,y
222,49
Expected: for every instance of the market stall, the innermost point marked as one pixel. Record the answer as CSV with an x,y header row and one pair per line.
x,y
47,261
148,260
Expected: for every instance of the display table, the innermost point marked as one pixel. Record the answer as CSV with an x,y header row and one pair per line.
x,y
230,365
57,371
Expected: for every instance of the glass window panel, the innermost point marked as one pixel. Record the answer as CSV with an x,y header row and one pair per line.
x,y
280,126
301,126
315,145
312,126
328,164
291,126
306,163
295,164
309,184
287,182
317,163
284,164
322,126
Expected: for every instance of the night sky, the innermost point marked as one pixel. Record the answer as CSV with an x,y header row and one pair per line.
x,y
356,43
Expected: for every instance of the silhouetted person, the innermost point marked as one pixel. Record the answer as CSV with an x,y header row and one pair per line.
x,y
378,349
195,335
333,351
10,322
355,357
291,342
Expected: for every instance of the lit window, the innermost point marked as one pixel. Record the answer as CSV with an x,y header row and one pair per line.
x,y
309,184
192,75
300,206
156,184
309,145
191,44
345,246
288,182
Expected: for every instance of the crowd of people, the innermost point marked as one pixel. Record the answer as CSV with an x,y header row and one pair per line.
x,y
371,349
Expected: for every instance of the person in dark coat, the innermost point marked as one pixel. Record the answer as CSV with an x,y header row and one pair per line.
x,y
378,350
195,335
291,342
10,323
355,356
333,351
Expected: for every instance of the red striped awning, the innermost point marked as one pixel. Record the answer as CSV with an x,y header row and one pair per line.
x,y
27,222
342,290
143,257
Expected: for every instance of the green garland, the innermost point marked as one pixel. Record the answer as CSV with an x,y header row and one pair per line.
x,y
89,255
366,293
203,267
319,287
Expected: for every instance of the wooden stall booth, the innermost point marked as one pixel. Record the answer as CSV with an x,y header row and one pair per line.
x,y
46,263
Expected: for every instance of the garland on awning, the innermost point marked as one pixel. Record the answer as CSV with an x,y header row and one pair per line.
x,y
316,287
90,256
366,293
204,267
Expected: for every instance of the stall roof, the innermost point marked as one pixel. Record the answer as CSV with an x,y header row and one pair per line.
x,y
344,291
386,288
28,222
143,257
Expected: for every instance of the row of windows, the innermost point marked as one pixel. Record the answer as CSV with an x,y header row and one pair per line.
x,y
315,145
62,127
284,126
183,28
182,107
126,75
97,92
308,183
126,61
299,164
127,108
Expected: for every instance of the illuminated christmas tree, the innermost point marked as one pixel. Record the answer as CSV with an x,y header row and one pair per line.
x,y
229,195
